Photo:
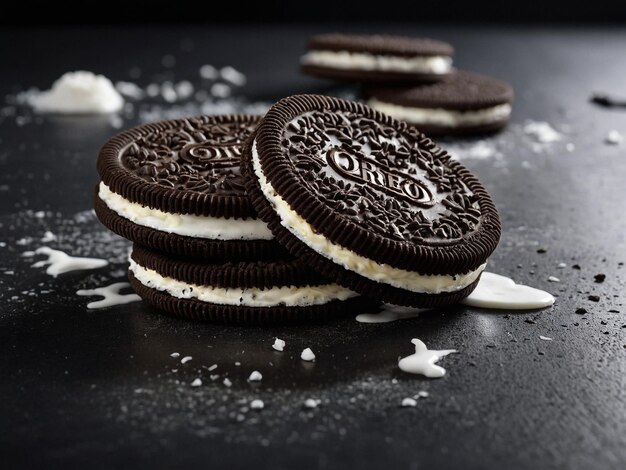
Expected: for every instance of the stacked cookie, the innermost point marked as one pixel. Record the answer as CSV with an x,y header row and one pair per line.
x,y
175,190
314,211
413,80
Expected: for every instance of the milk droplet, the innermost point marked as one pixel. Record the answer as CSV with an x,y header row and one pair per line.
x,y
423,360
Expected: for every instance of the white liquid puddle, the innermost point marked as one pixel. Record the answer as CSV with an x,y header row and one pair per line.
x,y
423,361
390,313
493,292
60,262
111,295
500,292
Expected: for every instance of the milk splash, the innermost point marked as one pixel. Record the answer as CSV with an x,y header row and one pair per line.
x,y
111,295
60,262
423,361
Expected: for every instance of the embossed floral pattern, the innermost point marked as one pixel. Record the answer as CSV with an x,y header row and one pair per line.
x,y
196,155
380,179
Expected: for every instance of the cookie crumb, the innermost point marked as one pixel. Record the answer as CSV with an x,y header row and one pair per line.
x,y
307,355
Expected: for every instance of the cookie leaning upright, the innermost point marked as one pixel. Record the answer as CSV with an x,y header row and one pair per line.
x,y
369,201
175,186
377,58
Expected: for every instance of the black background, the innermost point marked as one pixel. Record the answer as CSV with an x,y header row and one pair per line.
x,y
319,11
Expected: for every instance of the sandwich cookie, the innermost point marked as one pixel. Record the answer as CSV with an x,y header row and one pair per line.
x,y
175,186
369,201
462,103
245,292
377,58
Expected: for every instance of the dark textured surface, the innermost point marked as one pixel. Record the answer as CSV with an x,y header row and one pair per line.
x,y
95,387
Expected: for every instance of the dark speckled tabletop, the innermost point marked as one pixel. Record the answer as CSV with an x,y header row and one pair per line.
x,y
98,388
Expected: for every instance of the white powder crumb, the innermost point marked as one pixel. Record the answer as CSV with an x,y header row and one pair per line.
x,y
130,89
227,382
394,381
237,364
257,405
185,359
311,403
422,394
545,338
48,237
175,354
220,90
168,93
255,376
613,138
153,90
40,214
184,89
561,266
407,402
481,151
196,382
307,355
208,72
570,147
214,377
554,279
213,367
542,132
78,92
232,75
279,345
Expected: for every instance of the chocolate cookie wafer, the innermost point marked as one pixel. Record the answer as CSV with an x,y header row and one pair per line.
x,y
175,186
462,103
369,201
377,58
246,292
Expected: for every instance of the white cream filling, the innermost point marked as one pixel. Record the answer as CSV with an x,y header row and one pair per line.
x,y
215,228
386,63
442,117
289,296
403,279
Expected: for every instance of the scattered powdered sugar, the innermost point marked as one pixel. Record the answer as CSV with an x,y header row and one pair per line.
x,y
481,150
111,294
613,138
279,345
48,237
208,72
78,92
255,376
257,404
220,90
408,402
311,403
307,355
60,262
196,382
542,131
233,76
